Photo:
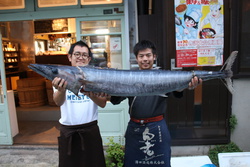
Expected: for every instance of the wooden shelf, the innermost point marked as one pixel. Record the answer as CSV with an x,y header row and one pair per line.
x,y
11,60
15,72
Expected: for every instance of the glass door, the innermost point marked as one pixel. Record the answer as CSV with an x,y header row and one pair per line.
x,y
105,38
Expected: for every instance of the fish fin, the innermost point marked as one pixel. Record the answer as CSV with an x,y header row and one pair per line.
x,y
227,69
76,93
84,82
229,62
82,75
163,95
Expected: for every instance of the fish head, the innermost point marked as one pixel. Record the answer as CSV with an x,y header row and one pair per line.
x,y
47,71
73,76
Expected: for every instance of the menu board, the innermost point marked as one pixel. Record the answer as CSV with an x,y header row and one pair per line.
x,y
43,26
47,26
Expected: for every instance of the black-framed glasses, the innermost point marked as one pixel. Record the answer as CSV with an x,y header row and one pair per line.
x,y
84,55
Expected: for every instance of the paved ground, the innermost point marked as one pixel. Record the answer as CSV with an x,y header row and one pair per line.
x,y
28,156
47,156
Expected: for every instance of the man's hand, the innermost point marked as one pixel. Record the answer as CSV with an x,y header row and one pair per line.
x,y
59,95
59,84
194,83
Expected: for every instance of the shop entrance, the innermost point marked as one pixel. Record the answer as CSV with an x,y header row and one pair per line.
x,y
37,115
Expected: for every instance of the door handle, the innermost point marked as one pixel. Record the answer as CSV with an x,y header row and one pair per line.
x,y
173,65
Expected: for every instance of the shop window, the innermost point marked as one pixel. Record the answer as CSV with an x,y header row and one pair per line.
x,y
100,27
14,4
54,3
97,2
106,50
104,38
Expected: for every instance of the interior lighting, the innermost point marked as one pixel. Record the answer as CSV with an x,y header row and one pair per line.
x,y
102,31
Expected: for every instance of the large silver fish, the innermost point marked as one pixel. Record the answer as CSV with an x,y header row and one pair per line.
x,y
130,82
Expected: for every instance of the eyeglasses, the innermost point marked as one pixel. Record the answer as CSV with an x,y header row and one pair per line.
x,y
84,55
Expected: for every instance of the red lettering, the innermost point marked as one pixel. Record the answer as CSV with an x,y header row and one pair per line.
x,y
197,2
205,2
189,2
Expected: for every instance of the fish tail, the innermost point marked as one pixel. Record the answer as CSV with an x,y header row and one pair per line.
x,y
229,84
227,70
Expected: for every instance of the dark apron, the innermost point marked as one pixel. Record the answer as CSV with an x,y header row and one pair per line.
x,y
81,146
147,145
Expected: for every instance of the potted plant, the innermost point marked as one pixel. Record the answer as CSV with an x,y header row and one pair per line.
x,y
114,154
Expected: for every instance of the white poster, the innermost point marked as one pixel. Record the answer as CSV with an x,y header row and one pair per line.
x,y
115,44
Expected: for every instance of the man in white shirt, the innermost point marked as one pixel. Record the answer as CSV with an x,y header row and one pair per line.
x,y
80,142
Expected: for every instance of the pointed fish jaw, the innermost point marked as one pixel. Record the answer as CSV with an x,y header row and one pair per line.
x,y
69,73
47,71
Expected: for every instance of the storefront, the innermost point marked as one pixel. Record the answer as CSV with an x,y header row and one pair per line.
x,y
202,116
42,32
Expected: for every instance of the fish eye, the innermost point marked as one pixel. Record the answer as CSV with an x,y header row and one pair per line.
x,y
54,71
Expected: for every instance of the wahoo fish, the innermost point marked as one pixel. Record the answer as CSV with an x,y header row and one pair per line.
x,y
118,82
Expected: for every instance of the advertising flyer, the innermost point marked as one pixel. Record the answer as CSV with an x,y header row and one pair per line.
x,y
199,27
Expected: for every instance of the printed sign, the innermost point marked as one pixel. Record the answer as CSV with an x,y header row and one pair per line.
x,y
199,32
115,44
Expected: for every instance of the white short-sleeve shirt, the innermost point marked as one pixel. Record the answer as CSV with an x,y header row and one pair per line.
x,y
77,110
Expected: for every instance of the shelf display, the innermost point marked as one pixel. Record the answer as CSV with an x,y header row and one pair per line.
x,y
105,39
11,58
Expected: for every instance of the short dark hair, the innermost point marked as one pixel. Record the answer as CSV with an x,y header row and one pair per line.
x,y
190,18
82,44
144,44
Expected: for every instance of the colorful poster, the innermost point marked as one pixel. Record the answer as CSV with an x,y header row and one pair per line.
x,y
199,29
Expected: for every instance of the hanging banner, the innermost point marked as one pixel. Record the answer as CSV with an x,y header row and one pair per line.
x,y
199,28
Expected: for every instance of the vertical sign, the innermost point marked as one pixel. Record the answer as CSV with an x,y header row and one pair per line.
x,y
199,31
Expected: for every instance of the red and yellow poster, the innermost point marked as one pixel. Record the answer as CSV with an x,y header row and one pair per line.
x,y
199,32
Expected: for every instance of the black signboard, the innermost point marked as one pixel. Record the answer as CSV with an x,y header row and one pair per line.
x,y
44,26
48,26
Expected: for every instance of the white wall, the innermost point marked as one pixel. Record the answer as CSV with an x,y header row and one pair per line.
x,y
241,109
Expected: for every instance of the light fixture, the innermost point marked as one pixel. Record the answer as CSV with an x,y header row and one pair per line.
x,y
102,31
